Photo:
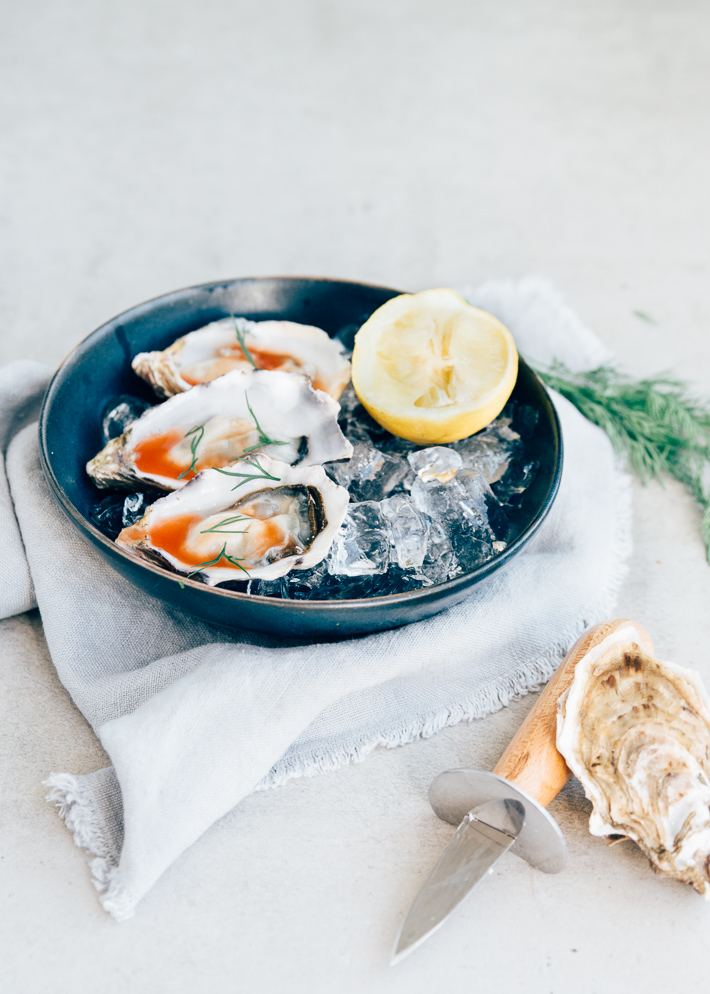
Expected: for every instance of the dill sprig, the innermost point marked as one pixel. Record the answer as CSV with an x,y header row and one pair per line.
x,y
239,329
234,560
263,437
262,474
654,424
197,432
219,527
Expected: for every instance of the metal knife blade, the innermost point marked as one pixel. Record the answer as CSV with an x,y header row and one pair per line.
x,y
483,836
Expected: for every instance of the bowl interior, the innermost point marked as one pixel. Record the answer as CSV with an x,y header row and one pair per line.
x,y
99,369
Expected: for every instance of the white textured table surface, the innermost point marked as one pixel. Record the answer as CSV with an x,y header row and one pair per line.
x,y
151,145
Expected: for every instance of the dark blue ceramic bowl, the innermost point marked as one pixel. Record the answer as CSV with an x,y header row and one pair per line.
x,y
100,368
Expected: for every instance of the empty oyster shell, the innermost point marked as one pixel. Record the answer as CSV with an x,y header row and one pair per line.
x,y
216,349
214,424
636,732
260,518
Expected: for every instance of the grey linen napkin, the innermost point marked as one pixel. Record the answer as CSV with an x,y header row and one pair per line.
x,y
194,718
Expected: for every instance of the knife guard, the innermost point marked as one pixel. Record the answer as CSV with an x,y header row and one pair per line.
x,y
531,760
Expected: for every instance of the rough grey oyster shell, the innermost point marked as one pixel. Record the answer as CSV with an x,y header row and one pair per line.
x,y
259,518
636,732
218,422
209,352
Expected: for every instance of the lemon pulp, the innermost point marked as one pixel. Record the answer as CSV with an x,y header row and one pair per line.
x,y
431,368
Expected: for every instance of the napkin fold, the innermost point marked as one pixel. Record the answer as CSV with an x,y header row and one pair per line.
x,y
194,717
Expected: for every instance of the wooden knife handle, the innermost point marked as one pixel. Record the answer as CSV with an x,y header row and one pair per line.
x,y
532,761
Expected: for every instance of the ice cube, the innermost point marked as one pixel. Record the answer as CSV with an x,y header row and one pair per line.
x,y
478,498
395,581
348,401
369,474
300,584
491,450
117,511
363,463
262,588
441,501
437,463
362,543
120,413
472,549
462,515
516,479
135,506
355,432
408,530
347,587
440,562
107,515
408,480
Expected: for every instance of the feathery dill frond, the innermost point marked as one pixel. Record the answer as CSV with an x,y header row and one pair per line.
x,y
654,424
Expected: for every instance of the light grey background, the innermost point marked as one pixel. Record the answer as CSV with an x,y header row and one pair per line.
x,y
151,145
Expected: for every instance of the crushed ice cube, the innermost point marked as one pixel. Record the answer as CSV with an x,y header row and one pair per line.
x,y
466,498
487,505
120,414
479,495
440,562
107,515
491,450
463,516
300,584
408,530
437,463
441,501
408,480
117,511
134,507
350,587
264,588
369,474
362,544
472,548
515,481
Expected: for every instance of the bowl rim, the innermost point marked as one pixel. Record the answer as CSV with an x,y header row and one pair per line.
x,y
450,586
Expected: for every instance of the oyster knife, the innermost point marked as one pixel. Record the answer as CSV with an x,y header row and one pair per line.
x,y
504,809
483,836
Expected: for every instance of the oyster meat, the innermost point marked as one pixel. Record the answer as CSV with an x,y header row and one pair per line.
x,y
636,732
259,518
211,425
236,343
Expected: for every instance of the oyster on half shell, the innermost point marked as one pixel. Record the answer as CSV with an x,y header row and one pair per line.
x,y
636,733
259,518
218,348
212,425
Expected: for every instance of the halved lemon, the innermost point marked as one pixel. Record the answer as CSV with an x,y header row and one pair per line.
x,y
431,368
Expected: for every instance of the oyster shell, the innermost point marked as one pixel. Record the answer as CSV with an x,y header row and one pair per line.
x,y
260,518
212,351
636,732
212,425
